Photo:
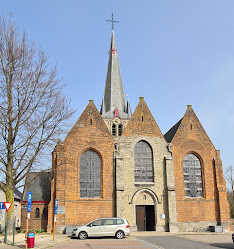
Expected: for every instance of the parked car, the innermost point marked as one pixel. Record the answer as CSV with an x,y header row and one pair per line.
x,y
117,227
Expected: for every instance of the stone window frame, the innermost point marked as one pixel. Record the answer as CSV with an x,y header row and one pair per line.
x,y
152,159
201,181
79,173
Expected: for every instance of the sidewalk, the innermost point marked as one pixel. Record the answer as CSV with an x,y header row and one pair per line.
x,y
44,240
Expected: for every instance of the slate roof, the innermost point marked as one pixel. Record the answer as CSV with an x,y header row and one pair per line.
x,y
39,184
114,94
171,133
18,195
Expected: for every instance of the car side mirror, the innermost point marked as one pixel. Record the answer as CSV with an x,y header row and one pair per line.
x,y
90,225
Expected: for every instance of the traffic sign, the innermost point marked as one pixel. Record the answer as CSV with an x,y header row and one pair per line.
x,y
1,217
56,206
2,205
29,205
7,205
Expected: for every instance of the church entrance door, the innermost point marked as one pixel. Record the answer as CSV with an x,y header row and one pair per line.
x,y
145,218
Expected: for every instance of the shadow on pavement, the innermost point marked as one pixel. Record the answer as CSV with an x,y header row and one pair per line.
x,y
223,245
98,238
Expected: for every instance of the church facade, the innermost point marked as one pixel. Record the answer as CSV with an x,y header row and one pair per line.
x,y
117,164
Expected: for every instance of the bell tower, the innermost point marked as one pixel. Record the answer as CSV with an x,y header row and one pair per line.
x,y
114,109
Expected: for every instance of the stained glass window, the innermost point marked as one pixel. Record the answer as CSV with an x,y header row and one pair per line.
x,y
90,175
192,176
143,161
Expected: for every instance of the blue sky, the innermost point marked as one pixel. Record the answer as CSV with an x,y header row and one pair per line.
x,y
172,52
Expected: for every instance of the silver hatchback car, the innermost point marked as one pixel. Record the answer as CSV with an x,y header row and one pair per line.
x,y
117,227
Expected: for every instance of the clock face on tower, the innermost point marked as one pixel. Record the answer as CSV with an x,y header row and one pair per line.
x,y
116,120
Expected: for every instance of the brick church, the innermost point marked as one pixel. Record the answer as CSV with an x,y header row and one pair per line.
x,y
119,164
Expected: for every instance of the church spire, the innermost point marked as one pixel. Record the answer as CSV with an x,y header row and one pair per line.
x,y
114,94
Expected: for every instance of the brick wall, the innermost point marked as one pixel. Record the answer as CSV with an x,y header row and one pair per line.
x,y
88,133
192,138
34,223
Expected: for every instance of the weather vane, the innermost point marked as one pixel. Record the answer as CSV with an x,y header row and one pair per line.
x,y
112,21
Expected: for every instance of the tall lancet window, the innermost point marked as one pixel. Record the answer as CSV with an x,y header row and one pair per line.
x,y
120,131
37,213
192,176
113,130
143,162
90,175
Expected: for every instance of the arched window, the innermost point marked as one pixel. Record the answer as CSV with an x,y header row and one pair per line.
x,y
192,176
90,175
120,130
44,214
143,162
37,213
113,130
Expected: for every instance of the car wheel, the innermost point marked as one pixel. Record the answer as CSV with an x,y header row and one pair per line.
x,y
82,235
119,234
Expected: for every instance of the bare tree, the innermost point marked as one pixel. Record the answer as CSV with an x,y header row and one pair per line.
x,y
229,176
33,109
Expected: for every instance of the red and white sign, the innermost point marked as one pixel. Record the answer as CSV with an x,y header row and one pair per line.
x,y
7,205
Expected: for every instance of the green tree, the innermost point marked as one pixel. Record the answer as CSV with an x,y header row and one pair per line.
x,y
33,109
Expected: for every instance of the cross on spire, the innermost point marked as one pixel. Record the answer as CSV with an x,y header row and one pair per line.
x,y
112,21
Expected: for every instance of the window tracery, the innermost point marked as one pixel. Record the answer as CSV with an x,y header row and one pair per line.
x,y
192,176
143,162
90,175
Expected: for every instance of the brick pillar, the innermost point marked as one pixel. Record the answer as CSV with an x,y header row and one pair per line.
x,y
58,188
170,181
222,195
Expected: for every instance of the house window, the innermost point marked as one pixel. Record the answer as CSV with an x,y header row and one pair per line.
x,y
192,176
37,213
90,175
44,214
143,162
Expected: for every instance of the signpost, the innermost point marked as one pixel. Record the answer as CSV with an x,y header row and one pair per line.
x,y
29,203
29,207
6,206
55,212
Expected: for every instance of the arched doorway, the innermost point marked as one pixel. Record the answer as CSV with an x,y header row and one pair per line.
x,y
145,217
144,202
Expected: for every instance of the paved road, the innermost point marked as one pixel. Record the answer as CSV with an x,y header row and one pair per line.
x,y
174,242
138,240
153,242
106,243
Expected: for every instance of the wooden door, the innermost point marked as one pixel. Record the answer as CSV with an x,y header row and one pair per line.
x,y
140,218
